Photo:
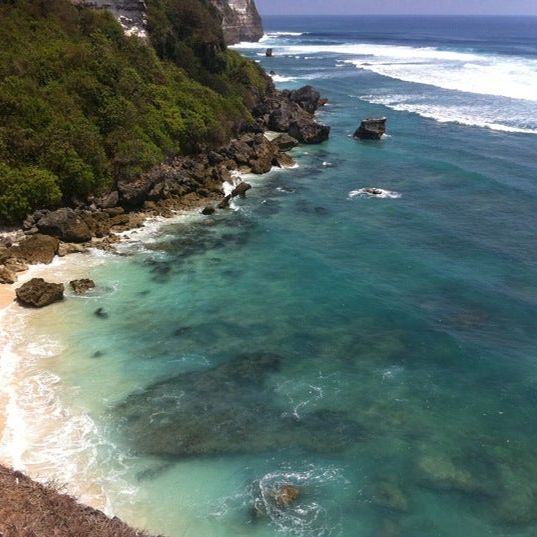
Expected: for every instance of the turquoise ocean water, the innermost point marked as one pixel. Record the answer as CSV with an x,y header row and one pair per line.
x,y
378,353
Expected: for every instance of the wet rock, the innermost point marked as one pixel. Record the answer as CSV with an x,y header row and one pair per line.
x,y
7,276
34,249
284,142
241,189
38,293
269,53
389,495
101,313
82,286
66,225
285,496
224,204
371,129
208,210
309,131
67,248
226,409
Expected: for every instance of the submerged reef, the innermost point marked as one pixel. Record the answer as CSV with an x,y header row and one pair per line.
x,y
224,410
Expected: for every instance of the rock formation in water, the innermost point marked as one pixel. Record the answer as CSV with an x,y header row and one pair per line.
x,y
225,410
240,19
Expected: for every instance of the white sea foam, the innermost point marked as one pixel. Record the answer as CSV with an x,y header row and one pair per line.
x,y
282,78
373,192
469,72
490,117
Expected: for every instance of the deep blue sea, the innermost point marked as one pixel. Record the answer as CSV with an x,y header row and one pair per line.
x,y
378,353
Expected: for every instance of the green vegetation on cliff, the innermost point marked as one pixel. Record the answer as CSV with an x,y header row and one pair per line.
x,y
82,105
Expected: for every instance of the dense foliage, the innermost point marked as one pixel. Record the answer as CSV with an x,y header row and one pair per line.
x,y
82,105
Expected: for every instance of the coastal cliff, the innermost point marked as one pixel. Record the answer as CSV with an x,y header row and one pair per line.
x,y
240,19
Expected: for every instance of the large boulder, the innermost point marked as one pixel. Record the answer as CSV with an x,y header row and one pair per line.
x,y
309,131
307,98
66,225
38,293
371,129
33,249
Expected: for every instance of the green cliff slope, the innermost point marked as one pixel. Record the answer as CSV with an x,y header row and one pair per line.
x,y
82,105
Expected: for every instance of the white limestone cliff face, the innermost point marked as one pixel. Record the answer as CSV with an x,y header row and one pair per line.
x,y
240,18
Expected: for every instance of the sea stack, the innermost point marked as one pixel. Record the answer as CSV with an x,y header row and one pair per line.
x,y
371,129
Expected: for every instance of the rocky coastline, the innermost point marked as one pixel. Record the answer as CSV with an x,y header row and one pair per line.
x,y
282,120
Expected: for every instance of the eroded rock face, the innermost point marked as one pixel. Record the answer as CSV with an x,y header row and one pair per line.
x,y
240,20
227,409
38,293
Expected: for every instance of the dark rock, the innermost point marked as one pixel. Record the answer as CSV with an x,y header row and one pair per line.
x,y
224,204
34,249
241,189
371,129
208,210
82,286
226,409
284,142
215,158
65,224
309,132
98,354
38,293
101,313
307,98
269,53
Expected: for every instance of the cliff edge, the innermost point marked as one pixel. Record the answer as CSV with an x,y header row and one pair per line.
x,y
240,19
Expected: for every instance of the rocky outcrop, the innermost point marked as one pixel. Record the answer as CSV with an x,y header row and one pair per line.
x,y
240,20
38,293
371,129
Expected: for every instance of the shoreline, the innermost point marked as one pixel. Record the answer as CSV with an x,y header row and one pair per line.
x,y
213,180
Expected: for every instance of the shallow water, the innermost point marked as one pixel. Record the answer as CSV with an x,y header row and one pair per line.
x,y
378,353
